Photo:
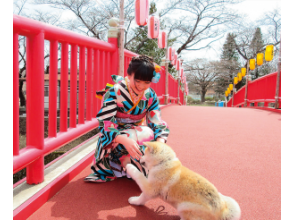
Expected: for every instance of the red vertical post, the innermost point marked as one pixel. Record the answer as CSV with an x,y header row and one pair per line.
x,y
108,69
53,88
125,65
35,104
103,70
89,83
163,83
64,87
15,96
95,83
82,86
73,86
101,77
114,56
279,97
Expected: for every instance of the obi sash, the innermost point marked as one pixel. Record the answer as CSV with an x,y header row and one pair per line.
x,y
124,118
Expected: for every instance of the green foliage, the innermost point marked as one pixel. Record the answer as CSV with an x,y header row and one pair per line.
x,y
191,101
257,46
229,51
228,65
209,99
221,85
257,42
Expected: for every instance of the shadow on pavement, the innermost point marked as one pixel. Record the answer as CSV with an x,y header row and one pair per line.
x,y
107,201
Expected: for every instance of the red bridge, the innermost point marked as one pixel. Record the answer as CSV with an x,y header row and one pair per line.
x,y
237,149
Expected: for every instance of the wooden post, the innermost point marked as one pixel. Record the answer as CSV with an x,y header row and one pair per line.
x,y
178,87
278,80
246,87
121,39
166,76
113,38
233,91
179,77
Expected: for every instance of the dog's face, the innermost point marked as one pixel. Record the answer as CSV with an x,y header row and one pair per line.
x,y
155,153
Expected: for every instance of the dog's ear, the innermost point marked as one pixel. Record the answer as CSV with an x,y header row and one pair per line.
x,y
149,145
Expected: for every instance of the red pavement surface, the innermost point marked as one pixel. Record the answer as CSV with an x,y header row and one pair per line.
x,y
237,149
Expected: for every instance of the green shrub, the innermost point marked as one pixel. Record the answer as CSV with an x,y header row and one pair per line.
x,y
209,99
189,99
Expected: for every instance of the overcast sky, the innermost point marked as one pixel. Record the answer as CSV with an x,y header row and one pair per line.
x,y
254,9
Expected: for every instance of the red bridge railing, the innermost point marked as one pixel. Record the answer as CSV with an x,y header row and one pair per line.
x,y
91,63
261,90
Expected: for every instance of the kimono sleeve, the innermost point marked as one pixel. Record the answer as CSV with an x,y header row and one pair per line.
x,y
107,118
154,121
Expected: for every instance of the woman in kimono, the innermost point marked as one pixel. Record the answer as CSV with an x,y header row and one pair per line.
x,y
125,108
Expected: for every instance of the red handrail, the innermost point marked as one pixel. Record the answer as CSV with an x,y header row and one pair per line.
x,y
97,61
262,89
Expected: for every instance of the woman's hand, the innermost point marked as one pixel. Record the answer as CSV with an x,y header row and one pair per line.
x,y
131,146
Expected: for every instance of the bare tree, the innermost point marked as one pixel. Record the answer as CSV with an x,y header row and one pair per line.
x,y
203,23
51,18
201,73
92,16
90,19
244,37
272,20
203,20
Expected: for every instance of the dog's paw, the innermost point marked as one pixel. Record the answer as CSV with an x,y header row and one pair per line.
x,y
134,200
131,169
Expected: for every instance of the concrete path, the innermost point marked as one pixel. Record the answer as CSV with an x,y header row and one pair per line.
x,y
237,149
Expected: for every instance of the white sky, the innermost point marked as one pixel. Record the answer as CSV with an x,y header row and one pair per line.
x,y
254,9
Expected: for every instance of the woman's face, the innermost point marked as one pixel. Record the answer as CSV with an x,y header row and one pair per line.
x,y
138,85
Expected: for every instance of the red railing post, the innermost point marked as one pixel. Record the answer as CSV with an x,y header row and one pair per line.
x,y
164,73
53,88
64,87
82,86
178,87
35,104
108,69
95,83
15,96
114,56
89,83
73,86
101,83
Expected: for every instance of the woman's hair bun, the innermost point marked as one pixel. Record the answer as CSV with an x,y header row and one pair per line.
x,y
143,58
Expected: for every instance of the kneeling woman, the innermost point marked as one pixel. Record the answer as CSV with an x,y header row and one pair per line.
x,y
121,134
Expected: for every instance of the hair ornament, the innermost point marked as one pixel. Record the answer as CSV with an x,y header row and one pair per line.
x,y
156,74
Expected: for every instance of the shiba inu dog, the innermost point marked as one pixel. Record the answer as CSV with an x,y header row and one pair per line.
x,y
192,195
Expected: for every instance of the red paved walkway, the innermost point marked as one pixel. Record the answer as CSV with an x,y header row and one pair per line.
x,y
238,150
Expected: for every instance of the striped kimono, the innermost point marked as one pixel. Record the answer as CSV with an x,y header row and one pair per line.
x,y
118,116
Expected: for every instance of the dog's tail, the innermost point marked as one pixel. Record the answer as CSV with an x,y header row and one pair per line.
x,y
231,209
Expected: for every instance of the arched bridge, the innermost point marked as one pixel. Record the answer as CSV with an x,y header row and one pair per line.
x,y
237,149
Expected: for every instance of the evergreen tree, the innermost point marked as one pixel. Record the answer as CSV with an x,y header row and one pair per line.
x,y
257,42
256,46
229,51
228,65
